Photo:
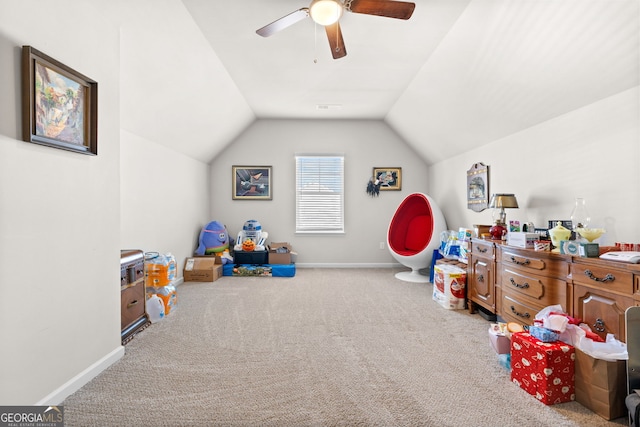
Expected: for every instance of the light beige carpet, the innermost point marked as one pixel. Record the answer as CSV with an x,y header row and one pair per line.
x,y
329,347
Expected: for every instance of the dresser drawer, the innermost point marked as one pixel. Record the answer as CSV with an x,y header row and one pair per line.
x,y
602,311
132,301
526,260
540,289
482,248
603,277
131,267
512,309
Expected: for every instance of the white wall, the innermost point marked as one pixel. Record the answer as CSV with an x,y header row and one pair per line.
x,y
592,152
175,90
179,108
164,198
59,222
365,144
64,217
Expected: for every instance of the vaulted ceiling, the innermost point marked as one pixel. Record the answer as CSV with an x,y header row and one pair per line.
x,y
457,75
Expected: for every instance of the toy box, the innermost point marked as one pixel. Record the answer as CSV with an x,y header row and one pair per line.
x,y
262,270
251,258
276,270
545,370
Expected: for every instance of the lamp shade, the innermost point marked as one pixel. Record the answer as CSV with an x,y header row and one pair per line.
x,y
325,12
503,200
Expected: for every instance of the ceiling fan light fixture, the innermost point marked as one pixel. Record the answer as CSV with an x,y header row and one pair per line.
x,y
325,12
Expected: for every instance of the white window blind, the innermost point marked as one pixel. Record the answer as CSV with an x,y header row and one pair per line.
x,y
320,194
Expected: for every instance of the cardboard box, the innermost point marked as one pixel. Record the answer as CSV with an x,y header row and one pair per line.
x,y
545,370
217,272
521,239
601,385
202,269
280,253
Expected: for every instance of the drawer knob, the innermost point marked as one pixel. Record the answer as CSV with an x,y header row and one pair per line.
x,y
525,285
482,250
517,313
608,278
599,325
132,303
515,261
480,278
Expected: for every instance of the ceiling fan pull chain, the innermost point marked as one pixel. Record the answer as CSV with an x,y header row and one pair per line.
x,y
315,43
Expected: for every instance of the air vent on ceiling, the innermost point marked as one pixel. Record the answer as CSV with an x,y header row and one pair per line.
x,y
329,107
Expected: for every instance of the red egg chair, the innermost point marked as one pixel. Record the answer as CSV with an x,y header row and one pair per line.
x,y
414,233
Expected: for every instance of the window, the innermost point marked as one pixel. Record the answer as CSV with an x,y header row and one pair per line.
x,y
320,194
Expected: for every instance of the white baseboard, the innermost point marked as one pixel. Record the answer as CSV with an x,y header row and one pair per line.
x,y
74,384
348,265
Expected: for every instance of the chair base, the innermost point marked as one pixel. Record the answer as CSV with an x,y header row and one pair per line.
x,y
412,276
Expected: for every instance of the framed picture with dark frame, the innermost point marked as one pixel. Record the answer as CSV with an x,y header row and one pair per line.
x,y
251,183
59,105
478,187
389,179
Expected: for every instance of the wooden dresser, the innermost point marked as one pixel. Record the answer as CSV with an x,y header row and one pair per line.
x,y
516,283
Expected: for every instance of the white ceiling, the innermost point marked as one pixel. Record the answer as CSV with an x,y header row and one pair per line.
x,y
458,74
291,72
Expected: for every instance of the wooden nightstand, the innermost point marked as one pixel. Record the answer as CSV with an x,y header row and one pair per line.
x,y
133,315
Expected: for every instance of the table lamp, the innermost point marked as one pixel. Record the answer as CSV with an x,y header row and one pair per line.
x,y
501,201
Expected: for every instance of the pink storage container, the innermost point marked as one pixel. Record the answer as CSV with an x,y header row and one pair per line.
x,y
500,343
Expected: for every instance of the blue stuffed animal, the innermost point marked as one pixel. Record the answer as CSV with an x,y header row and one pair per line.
x,y
214,240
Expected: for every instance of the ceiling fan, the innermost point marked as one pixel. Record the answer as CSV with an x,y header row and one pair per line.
x,y
328,12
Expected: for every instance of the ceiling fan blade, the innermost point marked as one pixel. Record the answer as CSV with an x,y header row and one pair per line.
x,y
386,8
284,22
336,42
